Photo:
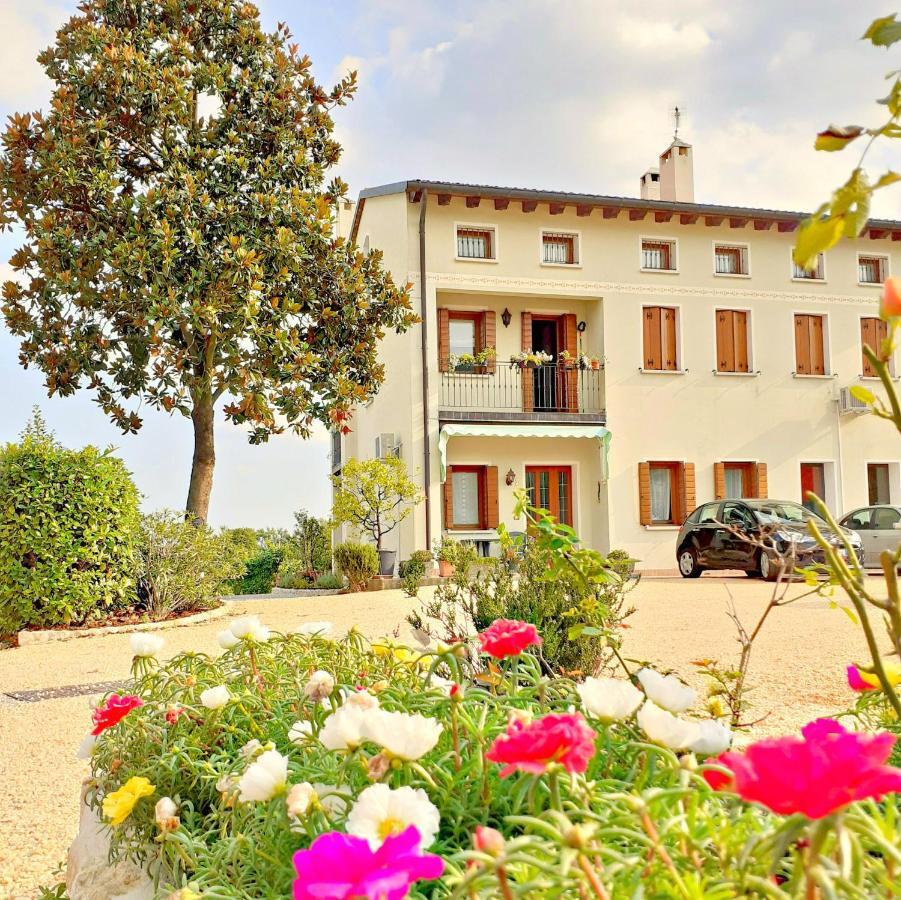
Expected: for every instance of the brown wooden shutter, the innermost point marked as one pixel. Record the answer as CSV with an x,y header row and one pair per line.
x,y
817,346
449,499
688,492
528,394
725,357
872,333
740,340
570,376
491,512
719,481
668,338
443,339
802,345
644,493
653,358
489,337
759,486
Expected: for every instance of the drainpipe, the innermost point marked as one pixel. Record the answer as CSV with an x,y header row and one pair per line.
x,y
423,314
841,464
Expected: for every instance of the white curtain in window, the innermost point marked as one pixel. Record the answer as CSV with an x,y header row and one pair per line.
x,y
465,486
734,483
462,336
661,495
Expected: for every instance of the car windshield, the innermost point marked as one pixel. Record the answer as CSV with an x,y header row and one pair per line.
x,y
779,513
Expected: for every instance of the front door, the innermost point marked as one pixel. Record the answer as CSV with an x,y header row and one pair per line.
x,y
813,480
546,339
551,488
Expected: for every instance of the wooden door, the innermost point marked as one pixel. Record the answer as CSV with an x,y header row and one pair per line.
x,y
568,376
550,488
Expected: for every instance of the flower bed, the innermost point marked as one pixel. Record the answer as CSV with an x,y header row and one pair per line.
x,y
343,769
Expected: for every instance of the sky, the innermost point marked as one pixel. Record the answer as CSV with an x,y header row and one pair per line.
x,y
555,94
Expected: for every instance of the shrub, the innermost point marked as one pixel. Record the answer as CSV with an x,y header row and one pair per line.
x,y
183,566
412,571
259,573
68,525
328,581
296,580
357,562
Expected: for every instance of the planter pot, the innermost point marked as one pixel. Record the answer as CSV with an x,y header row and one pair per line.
x,y
531,365
387,561
445,568
595,366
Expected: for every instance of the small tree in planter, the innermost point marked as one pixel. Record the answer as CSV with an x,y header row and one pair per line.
x,y
374,496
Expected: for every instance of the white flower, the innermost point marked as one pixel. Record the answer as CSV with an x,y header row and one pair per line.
x,y
343,729
710,737
300,798
226,783
86,747
264,778
215,697
667,690
227,640
664,728
403,735
319,629
249,628
320,685
609,699
381,812
334,801
300,731
361,700
144,644
166,814
251,748
445,685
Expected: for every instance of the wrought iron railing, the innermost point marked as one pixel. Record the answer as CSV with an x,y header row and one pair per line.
x,y
553,387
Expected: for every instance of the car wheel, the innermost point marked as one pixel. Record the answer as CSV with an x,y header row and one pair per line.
x,y
752,573
688,563
766,568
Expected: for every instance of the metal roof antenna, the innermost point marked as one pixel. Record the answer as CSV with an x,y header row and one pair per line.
x,y
677,118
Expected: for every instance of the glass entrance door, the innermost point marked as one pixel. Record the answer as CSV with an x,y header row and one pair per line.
x,y
550,487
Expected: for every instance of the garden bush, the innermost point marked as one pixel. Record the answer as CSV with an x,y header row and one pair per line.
x,y
183,566
357,562
328,581
68,527
411,571
296,580
259,573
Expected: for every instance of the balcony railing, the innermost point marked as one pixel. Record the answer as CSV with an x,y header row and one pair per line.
x,y
550,388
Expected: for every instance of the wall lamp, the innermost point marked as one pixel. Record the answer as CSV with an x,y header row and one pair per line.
x,y
510,477
506,317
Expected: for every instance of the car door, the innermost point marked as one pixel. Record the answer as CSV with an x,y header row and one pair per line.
x,y
738,551
885,531
861,521
706,532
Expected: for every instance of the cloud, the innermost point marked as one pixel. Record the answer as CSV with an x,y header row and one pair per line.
x,y
27,29
660,36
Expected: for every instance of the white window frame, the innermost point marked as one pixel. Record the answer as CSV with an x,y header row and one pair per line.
x,y
886,268
795,278
894,479
680,369
477,226
752,350
733,245
827,348
658,239
577,248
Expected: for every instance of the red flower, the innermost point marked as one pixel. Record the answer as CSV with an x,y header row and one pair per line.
x,y
507,637
172,714
817,774
114,710
563,738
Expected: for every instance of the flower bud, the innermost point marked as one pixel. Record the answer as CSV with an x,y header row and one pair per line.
x,y
519,715
577,836
378,767
320,685
165,814
488,840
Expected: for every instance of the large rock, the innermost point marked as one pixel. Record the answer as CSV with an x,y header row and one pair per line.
x,y
89,873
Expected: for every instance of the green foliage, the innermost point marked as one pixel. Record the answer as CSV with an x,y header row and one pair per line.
x,y
176,254
68,526
412,571
313,541
357,562
259,573
244,543
327,581
373,496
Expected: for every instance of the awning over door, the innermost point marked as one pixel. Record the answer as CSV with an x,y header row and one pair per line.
x,y
475,429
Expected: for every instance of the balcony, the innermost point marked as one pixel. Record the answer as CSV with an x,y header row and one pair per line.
x,y
553,392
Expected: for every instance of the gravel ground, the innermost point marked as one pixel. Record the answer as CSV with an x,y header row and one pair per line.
x,y
797,673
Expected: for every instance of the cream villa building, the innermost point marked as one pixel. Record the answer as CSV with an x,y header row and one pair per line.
x,y
649,354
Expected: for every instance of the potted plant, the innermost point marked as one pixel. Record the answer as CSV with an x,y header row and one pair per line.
x,y
595,363
374,496
446,554
566,359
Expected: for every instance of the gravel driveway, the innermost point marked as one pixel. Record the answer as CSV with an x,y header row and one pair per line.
x,y
797,673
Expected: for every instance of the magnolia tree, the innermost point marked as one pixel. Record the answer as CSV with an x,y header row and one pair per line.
x,y
179,248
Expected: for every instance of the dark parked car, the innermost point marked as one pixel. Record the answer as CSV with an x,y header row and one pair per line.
x,y
728,534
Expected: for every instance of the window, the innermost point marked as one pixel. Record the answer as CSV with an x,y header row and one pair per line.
x,y
550,488
873,331
660,346
737,480
860,521
813,480
470,498
559,249
878,484
817,273
658,256
737,516
732,341
871,269
810,344
666,492
466,333
730,259
475,243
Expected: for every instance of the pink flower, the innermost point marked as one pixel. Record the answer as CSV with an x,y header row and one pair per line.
x,y
113,711
343,867
861,680
172,714
817,774
507,637
563,738
891,298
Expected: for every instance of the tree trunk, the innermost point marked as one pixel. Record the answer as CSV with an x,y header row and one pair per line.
x,y
198,505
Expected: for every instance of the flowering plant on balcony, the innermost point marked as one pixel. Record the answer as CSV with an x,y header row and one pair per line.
x,y
471,361
589,362
531,359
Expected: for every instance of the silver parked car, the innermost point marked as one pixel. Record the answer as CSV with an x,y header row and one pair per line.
x,y
879,528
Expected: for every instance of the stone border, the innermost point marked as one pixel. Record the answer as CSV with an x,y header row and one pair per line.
x,y
59,634
288,593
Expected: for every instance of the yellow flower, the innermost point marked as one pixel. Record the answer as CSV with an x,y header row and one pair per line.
x,y
117,806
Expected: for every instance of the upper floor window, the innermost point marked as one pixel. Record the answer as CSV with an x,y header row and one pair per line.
x,y
476,243
871,269
559,249
658,256
732,341
660,338
817,273
873,331
810,344
730,259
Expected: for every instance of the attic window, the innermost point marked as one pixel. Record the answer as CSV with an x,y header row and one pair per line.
x,y
559,249
658,256
475,243
730,259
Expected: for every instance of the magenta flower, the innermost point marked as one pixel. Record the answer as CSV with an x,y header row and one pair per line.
x,y
816,775
563,738
343,867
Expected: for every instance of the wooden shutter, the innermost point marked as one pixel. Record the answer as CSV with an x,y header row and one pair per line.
x,y
759,486
873,332
719,481
528,394
489,337
570,381
802,345
688,493
644,493
491,513
653,358
443,339
668,337
810,351
725,344
740,340
449,499
817,347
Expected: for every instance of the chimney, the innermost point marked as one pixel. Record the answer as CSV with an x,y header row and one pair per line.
x,y
677,173
650,185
